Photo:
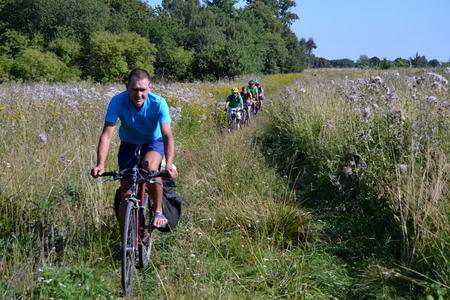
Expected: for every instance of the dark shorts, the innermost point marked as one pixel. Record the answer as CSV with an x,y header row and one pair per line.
x,y
128,152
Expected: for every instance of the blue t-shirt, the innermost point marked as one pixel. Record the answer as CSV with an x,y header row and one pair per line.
x,y
138,126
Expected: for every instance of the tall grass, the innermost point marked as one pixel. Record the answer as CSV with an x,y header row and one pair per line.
x,y
241,232
380,143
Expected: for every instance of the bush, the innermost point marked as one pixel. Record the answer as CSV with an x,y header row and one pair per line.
x,y
13,42
32,64
111,56
66,48
5,67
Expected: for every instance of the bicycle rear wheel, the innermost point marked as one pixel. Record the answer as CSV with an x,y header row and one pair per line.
x,y
128,253
146,243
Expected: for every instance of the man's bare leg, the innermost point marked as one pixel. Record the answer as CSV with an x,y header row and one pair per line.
x,y
152,161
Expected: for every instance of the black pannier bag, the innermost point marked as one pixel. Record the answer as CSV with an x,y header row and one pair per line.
x,y
171,204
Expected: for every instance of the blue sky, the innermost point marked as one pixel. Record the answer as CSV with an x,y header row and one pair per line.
x,y
383,28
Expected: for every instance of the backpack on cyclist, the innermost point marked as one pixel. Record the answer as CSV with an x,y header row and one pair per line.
x,y
171,202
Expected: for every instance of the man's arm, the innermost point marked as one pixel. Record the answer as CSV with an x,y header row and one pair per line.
x,y
169,148
102,149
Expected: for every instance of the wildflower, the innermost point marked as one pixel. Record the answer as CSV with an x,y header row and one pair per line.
x,y
43,137
329,124
437,77
192,255
347,171
447,70
432,99
376,80
402,168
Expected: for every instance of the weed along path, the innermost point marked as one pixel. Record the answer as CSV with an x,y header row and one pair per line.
x,y
305,203
343,145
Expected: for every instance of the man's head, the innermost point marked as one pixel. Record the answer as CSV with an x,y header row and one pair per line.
x,y
235,91
138,86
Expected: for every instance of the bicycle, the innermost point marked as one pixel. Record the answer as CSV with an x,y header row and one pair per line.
x,y
137,239
256,107
233,116
246,114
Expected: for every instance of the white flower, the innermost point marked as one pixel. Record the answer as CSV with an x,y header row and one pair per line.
x,y
402,168
43,137
347,171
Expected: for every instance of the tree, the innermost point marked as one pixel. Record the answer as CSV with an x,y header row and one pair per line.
x,y
363,61
12,43
32,64
54,18
112,56
401,62
385,64
67,49
320,62
419,61
374,62
434,63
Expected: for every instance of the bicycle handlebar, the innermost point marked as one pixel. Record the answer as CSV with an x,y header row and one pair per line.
x,y
143,174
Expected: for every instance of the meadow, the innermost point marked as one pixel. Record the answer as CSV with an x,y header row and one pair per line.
x,y
340,190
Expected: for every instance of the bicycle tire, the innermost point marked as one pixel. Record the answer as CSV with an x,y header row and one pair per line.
x,y
128,253
146,244
233,124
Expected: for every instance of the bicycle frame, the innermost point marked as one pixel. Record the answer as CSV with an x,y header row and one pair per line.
x,y
134,242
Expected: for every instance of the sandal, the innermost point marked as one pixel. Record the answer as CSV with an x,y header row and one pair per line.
x,y
159,215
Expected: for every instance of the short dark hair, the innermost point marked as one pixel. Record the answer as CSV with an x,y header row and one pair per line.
x,y
139,74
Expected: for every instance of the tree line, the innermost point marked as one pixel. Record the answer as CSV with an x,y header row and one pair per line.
x,y
101,40
418,61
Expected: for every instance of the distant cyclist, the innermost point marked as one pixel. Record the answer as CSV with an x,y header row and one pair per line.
x,y
260,94
247,99
234,105
253,91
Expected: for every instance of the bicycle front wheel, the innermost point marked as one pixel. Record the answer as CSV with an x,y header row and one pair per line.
x,y
129,243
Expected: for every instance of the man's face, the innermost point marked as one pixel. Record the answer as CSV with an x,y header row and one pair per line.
x,y
138,90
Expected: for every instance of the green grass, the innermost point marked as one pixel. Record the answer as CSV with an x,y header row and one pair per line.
x,y
346,165
267,212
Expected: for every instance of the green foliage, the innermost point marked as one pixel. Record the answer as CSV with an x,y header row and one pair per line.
x,y
385,64
77,282
193,40
6,64
377,182
56,17
67,49
419,61
112,56
32,64
13,42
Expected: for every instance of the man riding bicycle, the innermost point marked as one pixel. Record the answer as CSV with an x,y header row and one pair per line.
x,y
234,105
145,128
253,91
260,94
247,99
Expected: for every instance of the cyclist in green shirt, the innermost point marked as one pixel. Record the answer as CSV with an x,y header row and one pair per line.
x,y
234,105
252,89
